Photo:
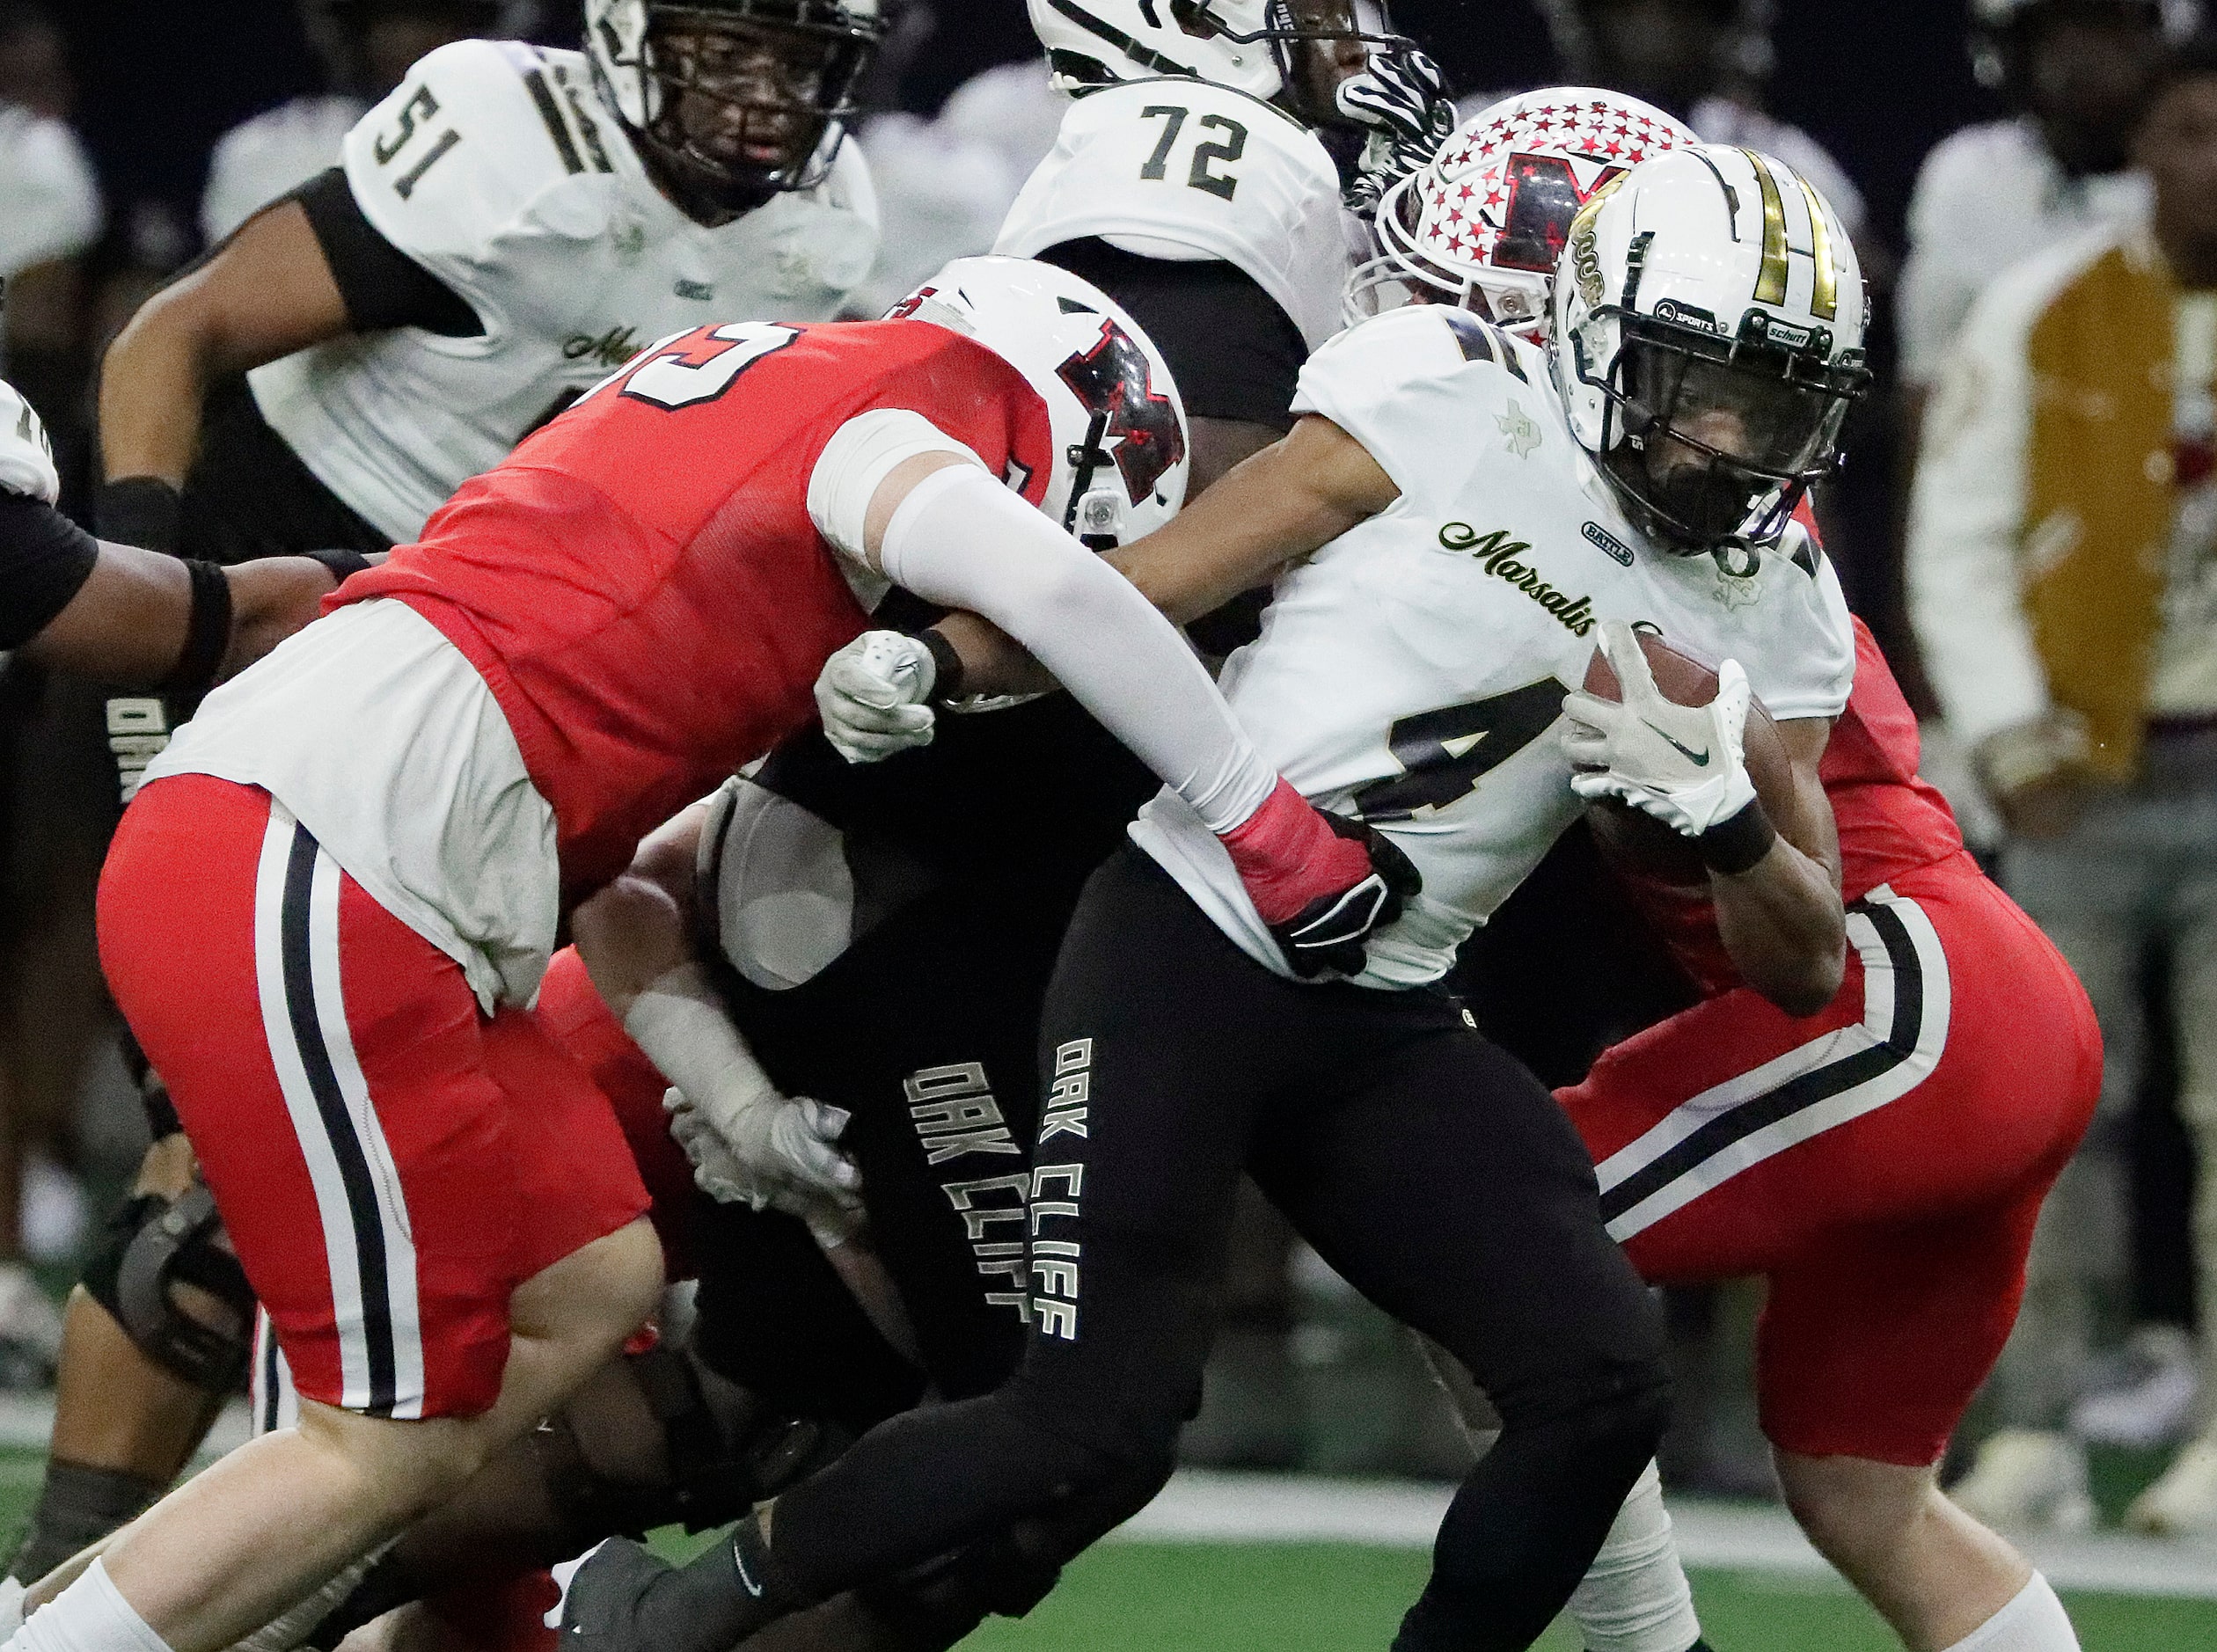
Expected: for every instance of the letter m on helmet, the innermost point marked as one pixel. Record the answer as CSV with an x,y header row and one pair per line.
x,y
1116,384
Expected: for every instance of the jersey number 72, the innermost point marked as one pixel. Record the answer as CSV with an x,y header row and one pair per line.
x,y
1202,176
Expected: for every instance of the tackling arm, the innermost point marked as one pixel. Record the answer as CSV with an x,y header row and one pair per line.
x,y
1274,508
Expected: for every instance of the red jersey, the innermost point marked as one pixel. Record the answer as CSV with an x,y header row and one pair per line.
x,y
1891,822
639,584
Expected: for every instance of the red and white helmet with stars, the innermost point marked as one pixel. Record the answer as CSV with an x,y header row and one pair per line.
x,y
1482,225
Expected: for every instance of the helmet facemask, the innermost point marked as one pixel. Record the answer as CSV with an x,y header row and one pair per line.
x,y
1302,35
745,94
1715,440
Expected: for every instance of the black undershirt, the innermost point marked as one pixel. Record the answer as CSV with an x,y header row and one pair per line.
x,y
382,286
1235,351
45,559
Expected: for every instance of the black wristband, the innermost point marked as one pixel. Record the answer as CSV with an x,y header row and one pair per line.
x,y
207,633
946,666
140,511
1736,846
344,562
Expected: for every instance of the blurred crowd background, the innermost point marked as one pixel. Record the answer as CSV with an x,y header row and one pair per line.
x,y
134,132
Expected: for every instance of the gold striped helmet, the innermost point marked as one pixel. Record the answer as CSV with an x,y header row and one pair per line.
x,y
1708,339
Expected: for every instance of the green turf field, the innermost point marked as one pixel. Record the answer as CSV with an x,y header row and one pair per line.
x,y
1302,1597
1151,1597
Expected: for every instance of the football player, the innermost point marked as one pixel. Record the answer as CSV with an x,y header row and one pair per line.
x,y
504,229
1411,671
373,834
1881,1162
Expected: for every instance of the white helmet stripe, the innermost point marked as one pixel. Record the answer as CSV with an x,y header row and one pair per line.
x,y
1138,52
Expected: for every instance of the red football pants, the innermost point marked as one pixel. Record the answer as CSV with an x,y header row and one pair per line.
x,y
1881,1163
391,1162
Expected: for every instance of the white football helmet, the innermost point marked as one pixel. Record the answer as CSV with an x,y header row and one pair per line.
x,y
1484,225
1708,340
794,104
1244,44
1120,453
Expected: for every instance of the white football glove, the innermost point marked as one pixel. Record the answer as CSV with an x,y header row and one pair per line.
x,y
1681,764
871,694
776,1154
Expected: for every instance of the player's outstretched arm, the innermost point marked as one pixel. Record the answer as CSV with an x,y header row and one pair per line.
x,y
1285,502
942,527
140,619
265,293
1272,508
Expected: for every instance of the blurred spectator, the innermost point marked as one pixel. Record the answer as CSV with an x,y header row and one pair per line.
x,y
945,185
365,46
2076,72
49,215
1705,60
2063,577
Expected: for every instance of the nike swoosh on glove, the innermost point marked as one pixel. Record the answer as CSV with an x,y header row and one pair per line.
x,y
1401,96
1322,884
871,695
1684,764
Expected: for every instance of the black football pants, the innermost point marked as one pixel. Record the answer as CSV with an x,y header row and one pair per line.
x,y
1427,1167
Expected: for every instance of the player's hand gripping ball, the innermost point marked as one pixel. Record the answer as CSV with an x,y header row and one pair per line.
x,y
1635,752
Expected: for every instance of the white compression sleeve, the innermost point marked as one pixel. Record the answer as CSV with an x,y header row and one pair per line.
x,y
2035,1622
90,1615
961,538
1635,1598
680,1024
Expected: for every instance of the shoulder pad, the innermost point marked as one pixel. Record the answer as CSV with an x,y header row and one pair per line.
x,y
26,459
474,135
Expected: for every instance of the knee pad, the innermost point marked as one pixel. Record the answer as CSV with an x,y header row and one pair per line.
x,y
154,1246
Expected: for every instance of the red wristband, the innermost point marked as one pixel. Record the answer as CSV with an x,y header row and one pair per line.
x,y
1287,855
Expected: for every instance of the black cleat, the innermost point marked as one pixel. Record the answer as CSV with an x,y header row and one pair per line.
x,y
625,1599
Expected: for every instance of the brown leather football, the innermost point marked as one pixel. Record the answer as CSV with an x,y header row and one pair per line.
x,y
1635,841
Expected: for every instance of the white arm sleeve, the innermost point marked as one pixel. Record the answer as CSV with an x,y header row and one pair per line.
x,y
961,538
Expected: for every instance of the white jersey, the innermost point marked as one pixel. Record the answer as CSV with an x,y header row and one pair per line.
x,y
272,155
1413,671
494,166
26,457
1184,169
1987,198
50,202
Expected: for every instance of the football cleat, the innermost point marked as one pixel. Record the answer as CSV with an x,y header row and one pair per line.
x,y
2028,1480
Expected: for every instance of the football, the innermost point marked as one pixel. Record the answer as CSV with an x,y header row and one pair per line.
x,y
1634,841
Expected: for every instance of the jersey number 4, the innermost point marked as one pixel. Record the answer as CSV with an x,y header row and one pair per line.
x,y
1447,752
699,366
1226,149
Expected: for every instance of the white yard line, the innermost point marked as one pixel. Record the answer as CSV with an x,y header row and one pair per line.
x,y
1202,1506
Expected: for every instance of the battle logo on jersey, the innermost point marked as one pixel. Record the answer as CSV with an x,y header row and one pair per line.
x,y
1114,381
